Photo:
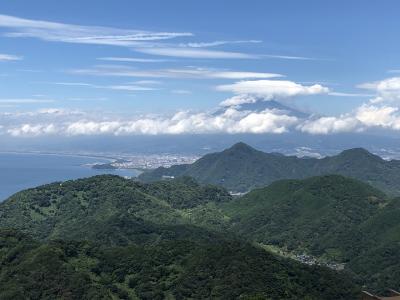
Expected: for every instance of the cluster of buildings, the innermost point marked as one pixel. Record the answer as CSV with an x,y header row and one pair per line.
x,y
151,161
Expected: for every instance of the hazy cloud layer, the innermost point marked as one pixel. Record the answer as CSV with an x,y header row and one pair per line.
x,y
190,72
68,33
195,53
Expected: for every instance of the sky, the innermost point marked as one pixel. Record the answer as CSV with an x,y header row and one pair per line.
x,y
151,67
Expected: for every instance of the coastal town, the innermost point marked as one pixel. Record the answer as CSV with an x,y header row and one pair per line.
x,y
146,162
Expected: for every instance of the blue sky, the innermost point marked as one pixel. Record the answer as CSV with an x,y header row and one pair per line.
x,y
99,66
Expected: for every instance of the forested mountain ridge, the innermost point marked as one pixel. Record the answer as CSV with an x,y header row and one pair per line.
x,y
331,217
82,209
107,237
242,168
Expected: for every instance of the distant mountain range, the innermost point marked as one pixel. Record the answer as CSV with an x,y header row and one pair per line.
x,y
242,168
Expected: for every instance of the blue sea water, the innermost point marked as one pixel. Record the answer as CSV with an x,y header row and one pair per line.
x,y
21,171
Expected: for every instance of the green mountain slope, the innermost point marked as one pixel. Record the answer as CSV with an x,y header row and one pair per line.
x,y
80,209
331,217
242,168
107,237
314,214
379,246
169,270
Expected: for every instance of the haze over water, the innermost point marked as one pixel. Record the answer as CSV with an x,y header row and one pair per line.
x,y
21,171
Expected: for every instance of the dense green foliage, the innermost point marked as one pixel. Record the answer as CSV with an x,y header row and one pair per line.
x,y
242,168
169,270
83,209
331,217
107,237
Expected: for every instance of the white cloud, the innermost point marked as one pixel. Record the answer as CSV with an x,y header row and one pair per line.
x,y
122,87
91,128
364,117
59,32
181,92
28,130
229,121
387,90
239,99
216,43
9,57
212,73
267,121
195,53
288,57
380,116
132,59
339,94
389,84
24,100
326,125
271,89
147,82
199,73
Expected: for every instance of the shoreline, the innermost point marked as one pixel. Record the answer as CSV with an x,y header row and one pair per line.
x,y
92,156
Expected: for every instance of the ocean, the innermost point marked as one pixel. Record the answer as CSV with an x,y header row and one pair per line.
x,y
22,171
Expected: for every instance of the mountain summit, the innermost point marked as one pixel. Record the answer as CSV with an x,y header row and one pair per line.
x,y
242,168
241,147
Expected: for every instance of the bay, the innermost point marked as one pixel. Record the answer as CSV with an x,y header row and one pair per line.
x,y
22,171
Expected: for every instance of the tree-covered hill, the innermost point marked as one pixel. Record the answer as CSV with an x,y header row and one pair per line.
x,y
205,236
242,168
175,269
107,237
83,209
330,217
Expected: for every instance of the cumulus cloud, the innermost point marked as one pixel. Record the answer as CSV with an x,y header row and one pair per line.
x,y
271,89
239,100
387,90
229,121
29,130
380,116
364,117
232,117
266,121
326,125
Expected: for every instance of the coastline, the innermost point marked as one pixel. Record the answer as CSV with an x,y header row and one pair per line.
x,y
91,156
